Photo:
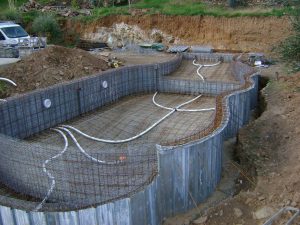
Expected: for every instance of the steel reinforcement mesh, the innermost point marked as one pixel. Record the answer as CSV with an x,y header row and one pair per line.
x,y
81,172
91,172
80,181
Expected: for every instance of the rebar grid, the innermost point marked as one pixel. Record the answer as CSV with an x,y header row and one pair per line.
x,y
219,73
80,181
221,108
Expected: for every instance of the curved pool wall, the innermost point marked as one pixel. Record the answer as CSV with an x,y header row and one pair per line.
x,y
188,171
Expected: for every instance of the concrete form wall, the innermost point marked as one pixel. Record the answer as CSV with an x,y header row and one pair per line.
x,y
193,170
25,115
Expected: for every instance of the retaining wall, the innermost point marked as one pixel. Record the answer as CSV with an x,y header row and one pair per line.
x,y
193,169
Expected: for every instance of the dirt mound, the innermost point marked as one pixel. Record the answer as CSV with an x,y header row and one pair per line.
x,y
50,66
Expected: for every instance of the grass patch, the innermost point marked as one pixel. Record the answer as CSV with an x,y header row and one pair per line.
x,y
3,89
165,7
188,8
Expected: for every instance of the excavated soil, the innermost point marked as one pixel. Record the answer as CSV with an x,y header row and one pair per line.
x,y
241,33
270,147
268,155
50,66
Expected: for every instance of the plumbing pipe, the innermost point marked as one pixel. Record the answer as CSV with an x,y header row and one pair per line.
x,y
136,136
50,176
124,140
157,104
180,110
199,74
196,64
211,65
84,152
200,66
196,110
8,81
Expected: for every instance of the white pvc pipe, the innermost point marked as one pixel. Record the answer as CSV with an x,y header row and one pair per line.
x,y
8,81
157,104
196,110
200,66
205,65
196,64
188,102
136,136
199,74
84,152
50,176
180,110
124,140
211,65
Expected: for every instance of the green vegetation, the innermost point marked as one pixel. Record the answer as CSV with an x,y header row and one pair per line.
x,y
4,5
189,8
46,25
74,4
290,48
3,89
11,14
166,7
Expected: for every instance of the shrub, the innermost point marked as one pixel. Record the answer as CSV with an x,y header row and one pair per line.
x,y
46,25
74,4
290,47
11,14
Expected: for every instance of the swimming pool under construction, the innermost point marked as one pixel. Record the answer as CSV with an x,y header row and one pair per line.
x,y
127,146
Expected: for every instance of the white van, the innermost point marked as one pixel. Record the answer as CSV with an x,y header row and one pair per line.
x,y
12,34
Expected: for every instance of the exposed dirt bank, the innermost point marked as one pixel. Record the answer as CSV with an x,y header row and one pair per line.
x,y
50,66
241,33
268,150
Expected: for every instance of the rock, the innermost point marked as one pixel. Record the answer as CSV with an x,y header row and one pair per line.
x,y
261,198
296,197
85,12
263,213
172,40
186,222
237,212
157,37
294,204
119,45
221,212
288,202
248,201
200,220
